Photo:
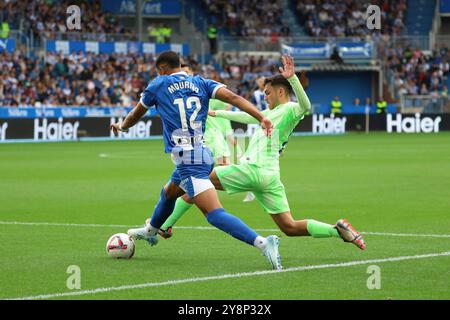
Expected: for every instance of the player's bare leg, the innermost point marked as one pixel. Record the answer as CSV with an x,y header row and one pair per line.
x,y
183,204
289,226
308,227
215,180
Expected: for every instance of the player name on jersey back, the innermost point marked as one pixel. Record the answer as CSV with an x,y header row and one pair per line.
x,y
183,85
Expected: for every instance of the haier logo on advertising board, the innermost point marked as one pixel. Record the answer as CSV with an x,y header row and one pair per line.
x,y
140,130
3,127
323,124
412,124
55,131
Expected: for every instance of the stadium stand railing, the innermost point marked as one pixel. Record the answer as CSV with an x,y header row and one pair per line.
x,y
85,36
423,103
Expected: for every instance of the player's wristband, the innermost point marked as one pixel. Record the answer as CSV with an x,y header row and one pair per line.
x,y
122,129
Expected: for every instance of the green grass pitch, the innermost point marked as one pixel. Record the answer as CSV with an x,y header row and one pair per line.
x,y
394,188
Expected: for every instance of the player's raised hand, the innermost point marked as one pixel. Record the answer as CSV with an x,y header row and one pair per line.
x,y
267,125
287,70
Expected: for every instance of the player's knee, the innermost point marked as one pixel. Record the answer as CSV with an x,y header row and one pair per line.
x,y
172,191
187,199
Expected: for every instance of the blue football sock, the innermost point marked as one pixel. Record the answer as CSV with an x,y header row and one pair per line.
x,y
232,225
162,210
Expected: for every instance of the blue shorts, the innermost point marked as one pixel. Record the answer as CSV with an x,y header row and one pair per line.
x,y
192,170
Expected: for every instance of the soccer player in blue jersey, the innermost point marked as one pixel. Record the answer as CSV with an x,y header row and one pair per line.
x,y
182,102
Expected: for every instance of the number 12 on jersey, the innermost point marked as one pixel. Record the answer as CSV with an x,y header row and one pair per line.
x,y
189,105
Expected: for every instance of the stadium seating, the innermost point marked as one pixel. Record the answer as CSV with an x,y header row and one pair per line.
x,y
346,18
420,17
240,18
128,74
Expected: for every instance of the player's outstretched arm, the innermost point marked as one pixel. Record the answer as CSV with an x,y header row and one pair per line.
x,y
230,97
236,116
288,71
130,120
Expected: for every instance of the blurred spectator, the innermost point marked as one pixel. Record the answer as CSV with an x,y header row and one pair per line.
x,y
78,79
151,33
167,33
367,106
48,18
444,92
381,106
335,18
159,33
336,57
75,79
258,95
249,18
336,105
416,72
212,37
244,69
4,30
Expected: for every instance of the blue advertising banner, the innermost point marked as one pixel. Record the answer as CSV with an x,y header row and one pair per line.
x,y
149,7
323,50
308,50
8,45
67,112
68,47
355,49
445,6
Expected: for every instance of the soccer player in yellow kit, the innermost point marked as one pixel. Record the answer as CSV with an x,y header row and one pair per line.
x,y
259,170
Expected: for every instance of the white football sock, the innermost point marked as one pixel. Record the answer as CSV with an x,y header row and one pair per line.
x,y
151,229
260,242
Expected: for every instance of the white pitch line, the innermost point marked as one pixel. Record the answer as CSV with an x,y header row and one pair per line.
x,y
58,224
87,225
231,276
407,234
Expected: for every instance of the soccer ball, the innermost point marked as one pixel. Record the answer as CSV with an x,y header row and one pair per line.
x,y
120,246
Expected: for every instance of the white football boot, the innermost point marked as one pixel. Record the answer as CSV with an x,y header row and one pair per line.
x,y
143,234
271,252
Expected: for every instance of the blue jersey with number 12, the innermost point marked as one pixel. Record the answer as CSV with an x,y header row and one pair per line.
x,y
182,102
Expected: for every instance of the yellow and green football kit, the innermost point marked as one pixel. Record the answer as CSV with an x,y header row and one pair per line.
x,y
259,169
217,130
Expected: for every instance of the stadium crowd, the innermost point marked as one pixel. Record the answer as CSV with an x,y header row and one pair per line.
x,y
248,18
417,73
107,80
336,18
75,79
116,79
48,18
242,70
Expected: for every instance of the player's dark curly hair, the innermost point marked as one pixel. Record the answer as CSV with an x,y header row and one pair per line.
x,y
277,81
171,58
